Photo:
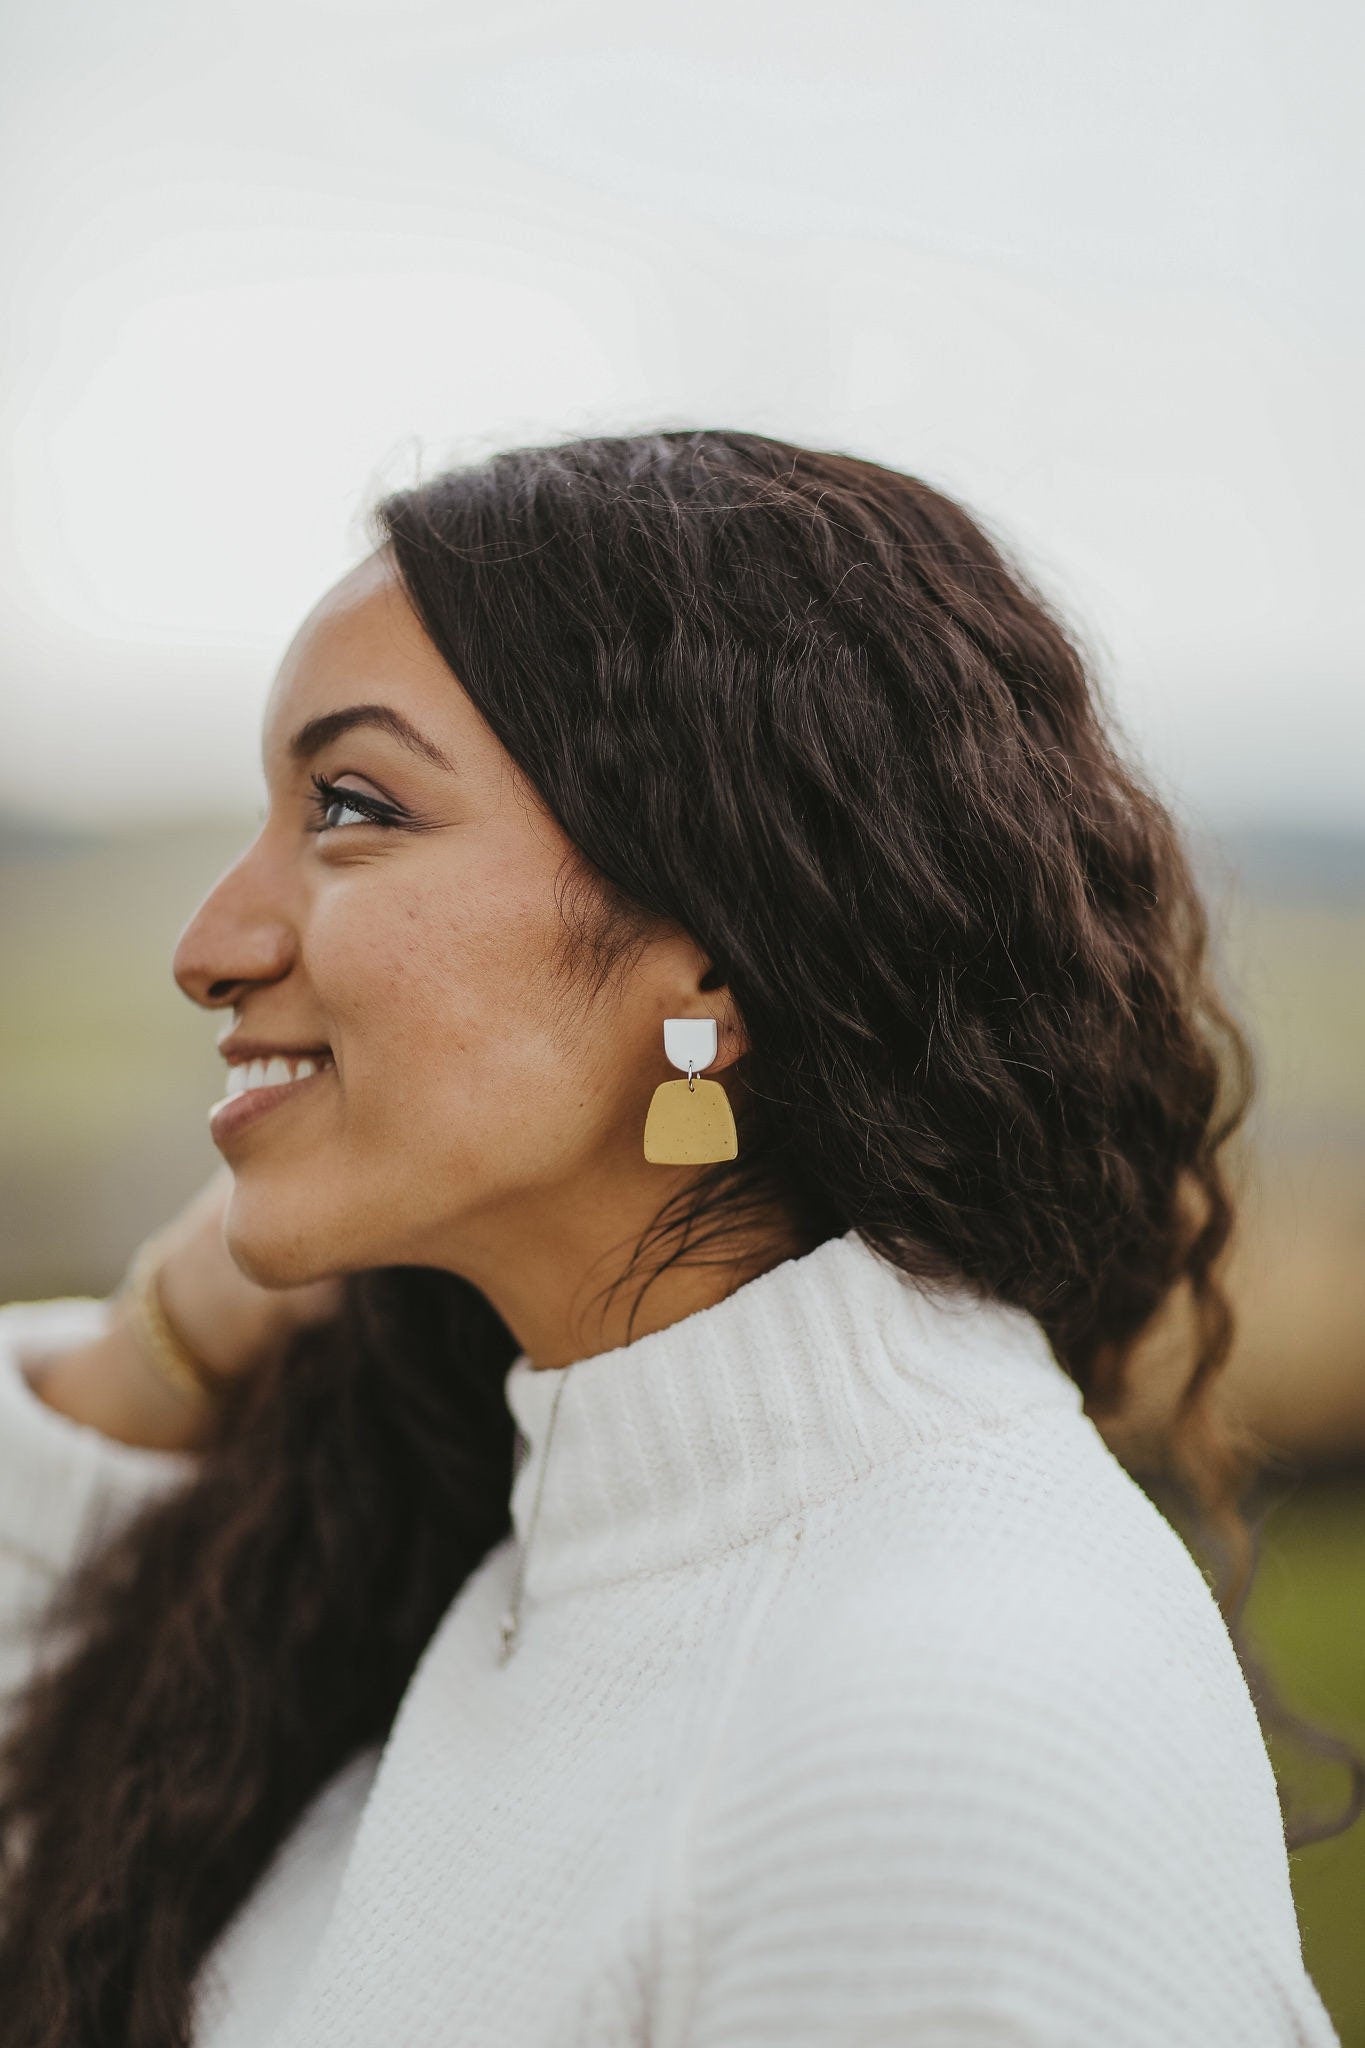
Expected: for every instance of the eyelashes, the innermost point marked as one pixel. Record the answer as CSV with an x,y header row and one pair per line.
x,y
326,795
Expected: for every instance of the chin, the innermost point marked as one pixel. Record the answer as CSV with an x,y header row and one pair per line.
x,y
268,1254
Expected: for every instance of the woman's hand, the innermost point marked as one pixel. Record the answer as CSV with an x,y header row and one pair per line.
x,y
230,1324
226,1320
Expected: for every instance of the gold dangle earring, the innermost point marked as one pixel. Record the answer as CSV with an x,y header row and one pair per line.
x,y
691,1121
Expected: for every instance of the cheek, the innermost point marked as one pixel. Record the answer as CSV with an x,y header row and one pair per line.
x,y
441,1006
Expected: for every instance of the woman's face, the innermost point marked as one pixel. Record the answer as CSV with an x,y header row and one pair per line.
x,y
481,1111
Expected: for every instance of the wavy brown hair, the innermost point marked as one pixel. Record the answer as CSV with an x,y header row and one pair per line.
x,y
805,708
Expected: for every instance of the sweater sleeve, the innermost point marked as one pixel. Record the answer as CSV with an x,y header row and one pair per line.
x,y
983,1830
65,1488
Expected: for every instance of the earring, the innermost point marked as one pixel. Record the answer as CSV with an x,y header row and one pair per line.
x,y
690,1122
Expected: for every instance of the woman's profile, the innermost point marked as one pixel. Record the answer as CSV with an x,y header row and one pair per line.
x,y
592,1528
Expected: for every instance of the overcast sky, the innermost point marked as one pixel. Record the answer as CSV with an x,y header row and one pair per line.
x,y
1092,268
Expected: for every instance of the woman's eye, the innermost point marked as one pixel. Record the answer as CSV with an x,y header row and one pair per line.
x,y
328,798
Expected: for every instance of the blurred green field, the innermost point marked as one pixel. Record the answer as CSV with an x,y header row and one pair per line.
x,y
103,1134
1304,1615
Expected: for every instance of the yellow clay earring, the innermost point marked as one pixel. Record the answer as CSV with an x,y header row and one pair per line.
x,y
690,1122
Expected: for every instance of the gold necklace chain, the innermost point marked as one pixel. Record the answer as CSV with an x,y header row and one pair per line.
x,y
511,1619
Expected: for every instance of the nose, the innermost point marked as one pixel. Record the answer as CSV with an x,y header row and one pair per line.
x,y
242,933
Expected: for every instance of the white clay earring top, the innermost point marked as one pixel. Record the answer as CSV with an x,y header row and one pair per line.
x,y
690,1040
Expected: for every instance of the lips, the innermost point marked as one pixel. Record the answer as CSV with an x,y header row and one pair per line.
x,y
236,1113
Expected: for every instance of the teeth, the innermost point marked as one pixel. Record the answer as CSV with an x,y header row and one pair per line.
x,y
271,1073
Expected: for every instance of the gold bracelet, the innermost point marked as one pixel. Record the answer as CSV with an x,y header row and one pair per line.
x,y
157,1339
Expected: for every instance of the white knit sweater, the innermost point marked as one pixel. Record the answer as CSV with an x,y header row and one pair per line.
x,y
861,1699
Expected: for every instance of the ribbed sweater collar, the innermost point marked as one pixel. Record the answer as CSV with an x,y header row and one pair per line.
x,y
698,1437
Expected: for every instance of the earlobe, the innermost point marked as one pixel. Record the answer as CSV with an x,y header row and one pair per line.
x,y
733,1042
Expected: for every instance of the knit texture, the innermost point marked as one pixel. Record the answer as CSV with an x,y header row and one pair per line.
x,y
861,1699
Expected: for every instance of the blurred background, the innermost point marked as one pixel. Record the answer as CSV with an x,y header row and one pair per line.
x,y
1092,270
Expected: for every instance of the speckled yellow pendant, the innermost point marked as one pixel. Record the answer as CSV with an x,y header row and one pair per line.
x,y
690,1122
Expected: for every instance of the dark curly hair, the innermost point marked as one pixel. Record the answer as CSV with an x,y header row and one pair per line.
x,y
803,707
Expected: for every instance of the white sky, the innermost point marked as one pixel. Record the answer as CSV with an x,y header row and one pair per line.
x,y
1093,268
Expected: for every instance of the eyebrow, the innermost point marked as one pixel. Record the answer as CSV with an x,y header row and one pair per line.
x,y
310,739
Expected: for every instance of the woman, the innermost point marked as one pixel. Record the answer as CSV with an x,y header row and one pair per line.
x,y
760,1063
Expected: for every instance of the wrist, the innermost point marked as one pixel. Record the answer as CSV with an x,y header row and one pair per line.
x,y
227,1328
160,1339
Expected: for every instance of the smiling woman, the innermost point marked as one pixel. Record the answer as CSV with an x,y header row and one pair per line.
x,y
404,914
853,1692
